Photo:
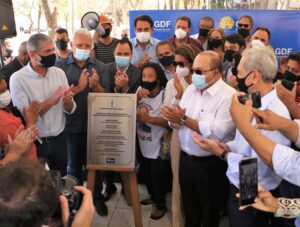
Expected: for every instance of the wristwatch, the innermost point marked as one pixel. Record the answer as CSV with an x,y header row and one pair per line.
x,y
224,154
183,120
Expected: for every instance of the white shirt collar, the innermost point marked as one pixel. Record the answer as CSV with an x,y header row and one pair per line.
x,y
267,99
213,89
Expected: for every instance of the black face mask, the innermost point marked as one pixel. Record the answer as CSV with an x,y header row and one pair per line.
x,y
229,55
214,43
244,32
61,44
203,32
107,33
234,71
291,76
241,83
149,85
166,60
9,52
48,61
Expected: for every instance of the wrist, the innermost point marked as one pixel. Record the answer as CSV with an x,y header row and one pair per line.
x,y
183,120
224,154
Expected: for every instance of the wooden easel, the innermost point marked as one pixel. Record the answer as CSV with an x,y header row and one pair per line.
x,y
130,186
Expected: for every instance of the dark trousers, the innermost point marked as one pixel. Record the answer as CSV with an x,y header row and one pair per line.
x,y
250,217
158,178
77,152
54,152
203,185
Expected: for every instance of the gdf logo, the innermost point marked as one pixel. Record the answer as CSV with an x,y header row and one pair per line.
x,y
283,51
162,23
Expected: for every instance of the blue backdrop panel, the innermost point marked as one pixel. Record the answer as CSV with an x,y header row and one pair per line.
x,y
283,24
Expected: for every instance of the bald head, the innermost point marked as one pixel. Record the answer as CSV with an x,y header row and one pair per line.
x,y
214,60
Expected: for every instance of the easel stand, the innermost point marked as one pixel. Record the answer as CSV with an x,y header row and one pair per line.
x,y
129,183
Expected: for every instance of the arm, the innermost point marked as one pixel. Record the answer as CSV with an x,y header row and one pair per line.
x,y
268,120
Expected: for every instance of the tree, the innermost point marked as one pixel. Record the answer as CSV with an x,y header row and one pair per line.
x,y
51,17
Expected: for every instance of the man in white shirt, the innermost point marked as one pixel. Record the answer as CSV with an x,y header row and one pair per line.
x,y
256,72
204,108
40,81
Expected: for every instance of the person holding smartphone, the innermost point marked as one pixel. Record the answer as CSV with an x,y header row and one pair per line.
x,y
291,97
283,159
256,71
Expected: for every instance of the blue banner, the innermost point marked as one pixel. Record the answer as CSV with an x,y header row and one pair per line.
x,y
283,24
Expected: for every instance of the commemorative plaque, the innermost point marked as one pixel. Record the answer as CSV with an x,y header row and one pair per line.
x,y
111,130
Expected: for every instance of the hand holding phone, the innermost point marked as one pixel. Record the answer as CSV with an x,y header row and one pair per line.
x,y
248,181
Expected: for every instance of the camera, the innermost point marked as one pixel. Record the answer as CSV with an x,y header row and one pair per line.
x,y
255,97
65,186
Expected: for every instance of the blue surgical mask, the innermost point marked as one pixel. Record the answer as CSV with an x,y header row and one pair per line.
x,y
199,81
122,61
81,54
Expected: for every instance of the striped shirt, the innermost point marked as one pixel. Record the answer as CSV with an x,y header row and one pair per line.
x,y
105,53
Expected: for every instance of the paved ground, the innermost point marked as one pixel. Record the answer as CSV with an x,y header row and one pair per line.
x,y
121,215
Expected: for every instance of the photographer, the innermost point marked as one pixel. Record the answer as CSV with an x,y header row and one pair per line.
x,y
28,197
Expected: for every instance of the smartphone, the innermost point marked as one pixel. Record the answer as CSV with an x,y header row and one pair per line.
x,y
287,84
256,99
248,181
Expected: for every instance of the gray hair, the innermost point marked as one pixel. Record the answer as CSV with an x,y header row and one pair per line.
x,y
36,41
263,60
23,48
82,31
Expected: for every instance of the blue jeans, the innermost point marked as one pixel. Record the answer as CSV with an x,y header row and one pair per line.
x,y
77,152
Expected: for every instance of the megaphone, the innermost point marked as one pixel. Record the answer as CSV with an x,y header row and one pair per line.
x,y
90,21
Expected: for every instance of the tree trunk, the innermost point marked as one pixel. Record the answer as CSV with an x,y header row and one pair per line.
x,y
39,16
51,17
171,4
177,4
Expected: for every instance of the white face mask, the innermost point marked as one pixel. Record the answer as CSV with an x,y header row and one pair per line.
x,y
180,33
5,99
182,71
143,37
256,43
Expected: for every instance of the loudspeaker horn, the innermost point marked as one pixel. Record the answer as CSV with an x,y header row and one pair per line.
x,y
90,21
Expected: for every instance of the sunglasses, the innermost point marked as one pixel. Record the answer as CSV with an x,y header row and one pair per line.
x,y
199,71
179,63
243,25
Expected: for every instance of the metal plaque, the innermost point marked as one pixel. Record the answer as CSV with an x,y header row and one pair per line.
x,y
111,129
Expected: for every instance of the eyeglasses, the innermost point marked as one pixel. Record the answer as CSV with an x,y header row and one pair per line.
x,y
243,25
179,63
199,71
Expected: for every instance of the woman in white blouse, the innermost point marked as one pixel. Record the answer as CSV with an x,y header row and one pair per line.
x,y
184,58
150,130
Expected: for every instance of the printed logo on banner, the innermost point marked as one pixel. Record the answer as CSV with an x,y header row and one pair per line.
x,y
227,23
283,51
162,26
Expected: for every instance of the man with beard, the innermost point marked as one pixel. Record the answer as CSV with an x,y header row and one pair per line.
x,y
61,39
105,47
245,26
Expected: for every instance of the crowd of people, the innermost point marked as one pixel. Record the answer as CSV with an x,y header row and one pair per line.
x,y
192,131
